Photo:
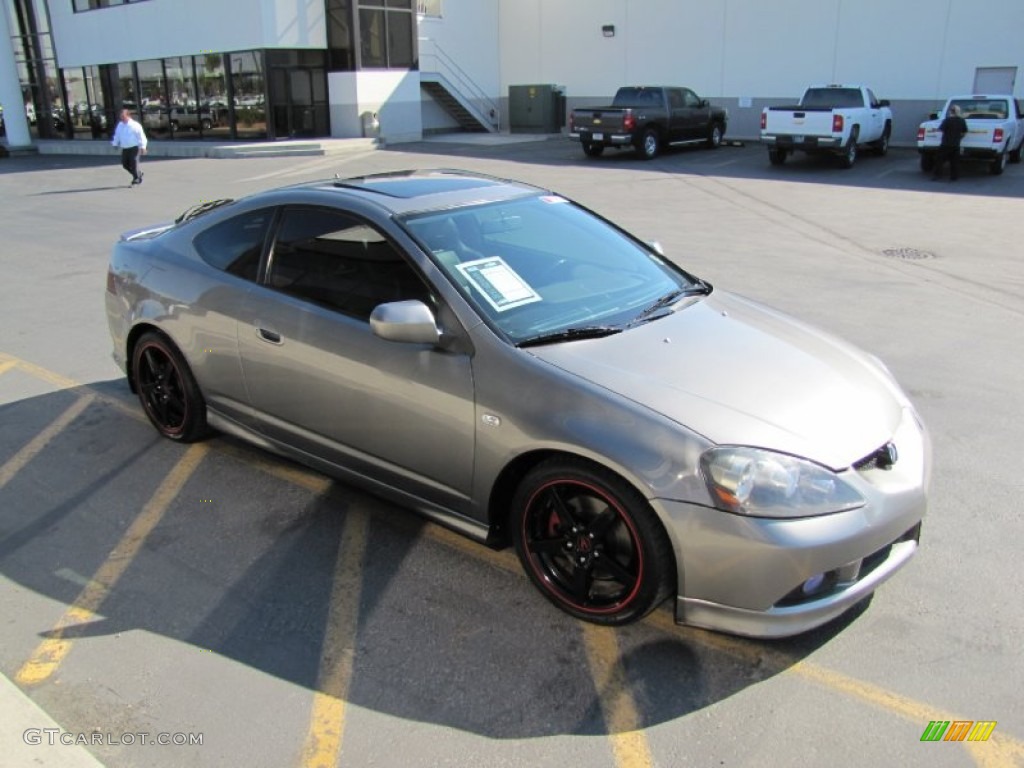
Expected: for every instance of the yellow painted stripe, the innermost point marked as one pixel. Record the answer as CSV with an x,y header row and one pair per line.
x,y
52,651
327,719
6,365
629,744
39,372
18,461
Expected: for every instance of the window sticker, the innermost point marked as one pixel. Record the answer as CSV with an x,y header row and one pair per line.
x,y
498,283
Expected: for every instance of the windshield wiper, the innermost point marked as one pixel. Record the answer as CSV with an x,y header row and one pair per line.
x,y
700,289
571,334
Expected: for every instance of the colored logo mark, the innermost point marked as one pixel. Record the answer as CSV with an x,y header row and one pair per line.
x,y
958,730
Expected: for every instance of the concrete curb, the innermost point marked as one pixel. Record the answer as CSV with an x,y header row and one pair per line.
x,y
24,723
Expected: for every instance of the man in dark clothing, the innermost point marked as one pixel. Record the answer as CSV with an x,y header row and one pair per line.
x,y
953,128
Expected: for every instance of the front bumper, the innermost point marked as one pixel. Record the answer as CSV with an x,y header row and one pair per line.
x,y
746,575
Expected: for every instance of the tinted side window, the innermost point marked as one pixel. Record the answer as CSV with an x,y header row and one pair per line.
x,y
235,245
691,98
675,98
340,262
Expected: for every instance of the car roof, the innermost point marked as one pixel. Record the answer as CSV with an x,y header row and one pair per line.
x,y
415,191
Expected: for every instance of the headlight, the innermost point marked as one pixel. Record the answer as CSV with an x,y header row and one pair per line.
x,y
760,483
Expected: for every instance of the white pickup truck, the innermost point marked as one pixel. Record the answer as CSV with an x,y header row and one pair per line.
x,y
833,119
995,131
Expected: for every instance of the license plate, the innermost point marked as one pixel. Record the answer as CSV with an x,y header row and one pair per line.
x,y
798,139
597,136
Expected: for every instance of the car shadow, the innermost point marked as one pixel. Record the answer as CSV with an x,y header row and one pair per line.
x,y
243,564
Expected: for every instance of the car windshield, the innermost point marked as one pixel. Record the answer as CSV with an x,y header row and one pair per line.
x,y
543,268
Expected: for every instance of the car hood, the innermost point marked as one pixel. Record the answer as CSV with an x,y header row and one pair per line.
x,y
740,373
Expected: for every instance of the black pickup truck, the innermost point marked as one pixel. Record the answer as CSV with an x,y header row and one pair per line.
x,y
647,118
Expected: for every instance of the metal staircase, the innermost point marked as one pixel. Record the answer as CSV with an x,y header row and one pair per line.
x,y
455,91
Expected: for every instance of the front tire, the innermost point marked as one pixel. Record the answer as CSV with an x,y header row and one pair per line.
x,y
882,145
715,136
650,144
167,390
591,543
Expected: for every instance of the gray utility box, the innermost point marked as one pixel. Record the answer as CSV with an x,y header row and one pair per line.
x,y
536,108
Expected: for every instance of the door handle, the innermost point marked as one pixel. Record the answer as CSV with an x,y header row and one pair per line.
x,y
272,336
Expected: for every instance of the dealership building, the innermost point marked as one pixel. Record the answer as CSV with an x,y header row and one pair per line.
x,y
264,70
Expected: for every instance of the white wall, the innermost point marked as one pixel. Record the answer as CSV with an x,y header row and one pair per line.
x,y
903,49
466,35
161,28
393,95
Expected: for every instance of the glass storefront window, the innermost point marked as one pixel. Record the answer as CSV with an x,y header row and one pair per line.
x,y
249,85
207,115
386,32
153,105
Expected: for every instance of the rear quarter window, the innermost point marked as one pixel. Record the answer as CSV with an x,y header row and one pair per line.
x,y
235,245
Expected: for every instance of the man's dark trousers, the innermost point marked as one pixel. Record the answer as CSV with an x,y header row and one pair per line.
x,y
130,161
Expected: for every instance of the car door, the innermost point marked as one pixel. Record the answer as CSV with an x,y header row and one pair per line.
x,y
321,381
678,114
695,121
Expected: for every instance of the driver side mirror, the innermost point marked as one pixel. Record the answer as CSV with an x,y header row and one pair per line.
x,y
409,321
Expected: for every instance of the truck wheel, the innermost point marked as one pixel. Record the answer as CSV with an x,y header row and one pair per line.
x,y
650,144
998,165
882,145
207,124
590,149
776,156
849,156
714,136
927,162
1015,155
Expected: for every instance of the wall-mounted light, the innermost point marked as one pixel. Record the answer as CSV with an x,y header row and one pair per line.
x,y
608,30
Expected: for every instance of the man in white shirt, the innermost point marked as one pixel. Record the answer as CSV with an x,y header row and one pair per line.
x,y
130,137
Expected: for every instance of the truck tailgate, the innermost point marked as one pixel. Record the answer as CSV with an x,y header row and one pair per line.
x,y
799,122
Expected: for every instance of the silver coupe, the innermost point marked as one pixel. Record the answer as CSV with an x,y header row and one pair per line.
x,y
508,363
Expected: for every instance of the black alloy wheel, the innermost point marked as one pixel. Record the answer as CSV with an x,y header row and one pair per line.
x,y
167,390
590,543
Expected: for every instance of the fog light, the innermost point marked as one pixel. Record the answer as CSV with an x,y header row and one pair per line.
x,y
813,584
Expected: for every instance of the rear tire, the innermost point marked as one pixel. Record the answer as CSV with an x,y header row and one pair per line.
x,y
927,162
998,165
776,156
590,149
650,145
1015,154
849,156
591,543
167,390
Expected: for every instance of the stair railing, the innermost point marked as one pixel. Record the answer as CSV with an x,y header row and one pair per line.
x,y
433,59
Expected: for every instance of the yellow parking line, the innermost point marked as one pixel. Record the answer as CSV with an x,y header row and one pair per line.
x,y
52,651
327,718
18,461
39,372
621,718
6,365
1000,751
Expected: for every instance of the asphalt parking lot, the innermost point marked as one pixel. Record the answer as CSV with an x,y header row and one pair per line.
x,y
251,612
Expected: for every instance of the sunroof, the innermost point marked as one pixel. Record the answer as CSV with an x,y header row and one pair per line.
x,y
413,185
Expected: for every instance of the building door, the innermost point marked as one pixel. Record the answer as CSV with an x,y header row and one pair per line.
x,y
995,79
298,102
